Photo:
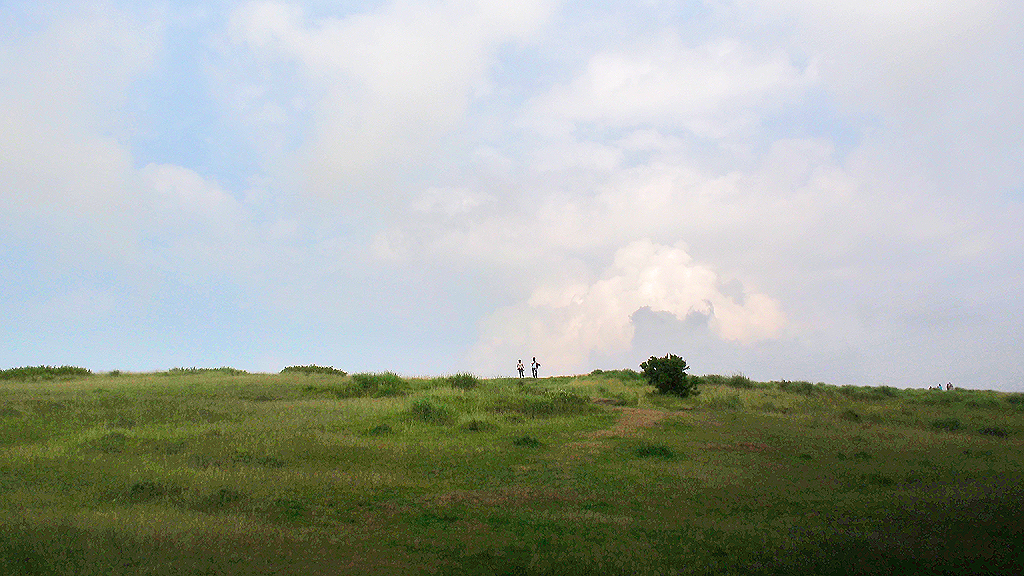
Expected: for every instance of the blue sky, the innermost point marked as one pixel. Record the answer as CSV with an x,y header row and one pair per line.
x,y
790,189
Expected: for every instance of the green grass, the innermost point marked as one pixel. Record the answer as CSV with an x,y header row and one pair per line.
x,y
196,471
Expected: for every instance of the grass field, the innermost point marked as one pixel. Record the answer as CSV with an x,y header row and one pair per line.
x,y
310,472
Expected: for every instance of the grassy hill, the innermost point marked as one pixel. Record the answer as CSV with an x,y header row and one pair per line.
x,y
196,471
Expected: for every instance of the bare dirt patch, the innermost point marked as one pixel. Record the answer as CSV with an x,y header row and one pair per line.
x,y
631,421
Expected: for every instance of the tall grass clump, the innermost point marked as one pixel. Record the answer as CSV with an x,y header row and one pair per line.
x,y
314,369
44,373
801,387
869,392
739,381
726,401
379,384
626,375
946,424
542,404
432,411
462,381
226,370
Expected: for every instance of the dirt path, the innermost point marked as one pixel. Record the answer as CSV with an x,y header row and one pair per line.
x,y
631,421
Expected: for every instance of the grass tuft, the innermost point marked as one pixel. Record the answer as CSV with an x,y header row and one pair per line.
x,y
654,451
432,411
313,369
946,424
849,415
526,442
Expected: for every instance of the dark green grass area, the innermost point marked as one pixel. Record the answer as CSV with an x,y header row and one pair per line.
x,y
221,472
44,373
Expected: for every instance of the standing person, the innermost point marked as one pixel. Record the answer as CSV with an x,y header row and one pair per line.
x,y
534,365
520,367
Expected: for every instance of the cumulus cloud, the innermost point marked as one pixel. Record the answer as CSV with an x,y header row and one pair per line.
x,y
384,84
567,321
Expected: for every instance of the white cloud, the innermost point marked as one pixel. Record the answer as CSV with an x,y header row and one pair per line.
x,y
450,201
566,322
386,84
708,89
65,168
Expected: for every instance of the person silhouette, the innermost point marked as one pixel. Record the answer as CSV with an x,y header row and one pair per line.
x,y
521,368
534,365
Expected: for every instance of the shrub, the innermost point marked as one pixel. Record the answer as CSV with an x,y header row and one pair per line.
x,y
994,431
668,375
314,369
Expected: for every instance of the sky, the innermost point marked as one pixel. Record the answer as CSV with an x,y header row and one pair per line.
x,y
820,190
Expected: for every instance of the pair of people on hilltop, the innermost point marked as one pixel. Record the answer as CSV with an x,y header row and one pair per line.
x,y
533,367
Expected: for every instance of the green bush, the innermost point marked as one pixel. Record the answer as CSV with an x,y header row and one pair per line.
x,y
668,375
314,369
994,431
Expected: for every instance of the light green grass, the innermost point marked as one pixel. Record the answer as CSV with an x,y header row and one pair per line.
x,y
222,472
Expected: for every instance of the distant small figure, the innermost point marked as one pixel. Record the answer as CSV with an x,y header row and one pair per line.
x,y
534,365
521,368
949,385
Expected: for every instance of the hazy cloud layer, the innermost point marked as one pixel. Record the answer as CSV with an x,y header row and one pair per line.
x,y
795,189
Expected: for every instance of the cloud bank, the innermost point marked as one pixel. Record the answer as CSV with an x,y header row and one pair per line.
x,y
793,189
